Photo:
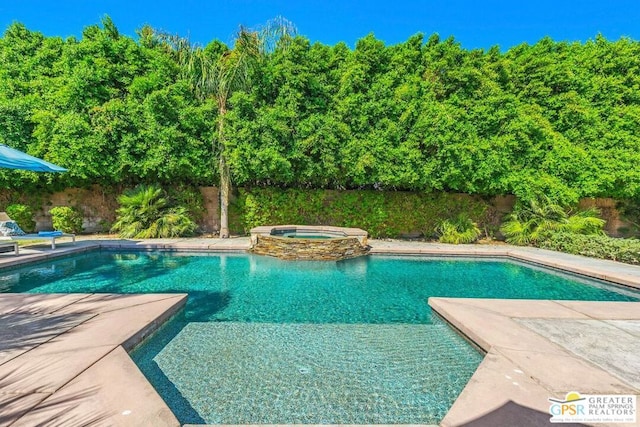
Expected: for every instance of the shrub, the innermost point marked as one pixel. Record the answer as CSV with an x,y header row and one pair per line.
x,y
145,213
530,223
66,219
596,246
461,229
23,216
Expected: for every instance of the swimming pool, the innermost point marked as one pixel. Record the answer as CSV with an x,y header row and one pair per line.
x,y
268,341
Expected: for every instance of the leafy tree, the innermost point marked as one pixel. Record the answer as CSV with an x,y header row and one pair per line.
x,y
552,118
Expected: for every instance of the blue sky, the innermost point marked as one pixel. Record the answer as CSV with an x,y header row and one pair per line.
x,y
475,24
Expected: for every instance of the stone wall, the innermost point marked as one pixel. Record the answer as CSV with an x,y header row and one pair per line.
x,y
334,249
98,208
608,211
99,205
211,221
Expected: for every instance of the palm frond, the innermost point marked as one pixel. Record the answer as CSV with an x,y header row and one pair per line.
x,y
585,222
145,213
533,222
459,230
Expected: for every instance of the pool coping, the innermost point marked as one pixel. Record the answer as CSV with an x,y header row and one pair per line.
x,y
523,367
479,398
64,359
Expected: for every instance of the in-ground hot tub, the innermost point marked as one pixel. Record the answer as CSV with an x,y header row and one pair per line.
x,y
309,242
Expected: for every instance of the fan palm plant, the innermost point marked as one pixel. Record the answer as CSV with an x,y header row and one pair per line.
x,y
531,222
459,230
585,222
145,213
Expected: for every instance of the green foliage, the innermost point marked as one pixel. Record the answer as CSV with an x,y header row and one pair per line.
x,y
67,219
382,214
461,229
596,246
191,199
23,216
584,222
531,222
528,222
552,118
104,226
146,213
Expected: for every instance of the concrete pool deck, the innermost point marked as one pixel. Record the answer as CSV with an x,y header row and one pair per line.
x,y
64,361
63,358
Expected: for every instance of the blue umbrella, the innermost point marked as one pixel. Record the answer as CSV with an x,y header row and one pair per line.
x,y
11,158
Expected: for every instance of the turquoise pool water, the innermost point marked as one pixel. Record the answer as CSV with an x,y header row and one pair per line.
x,y
268,341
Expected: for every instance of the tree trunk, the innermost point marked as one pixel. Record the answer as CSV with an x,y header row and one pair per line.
x,y
225,178
225,186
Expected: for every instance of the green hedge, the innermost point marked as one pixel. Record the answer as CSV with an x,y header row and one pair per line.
x,y
596,246
382,214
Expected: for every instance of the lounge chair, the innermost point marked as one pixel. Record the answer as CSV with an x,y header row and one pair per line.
x,y
52,238
43,235
10,244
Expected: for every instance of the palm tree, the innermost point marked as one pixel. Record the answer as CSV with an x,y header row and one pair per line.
x,y
218,72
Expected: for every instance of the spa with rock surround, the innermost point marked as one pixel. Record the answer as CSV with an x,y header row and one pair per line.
x,y
308,242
